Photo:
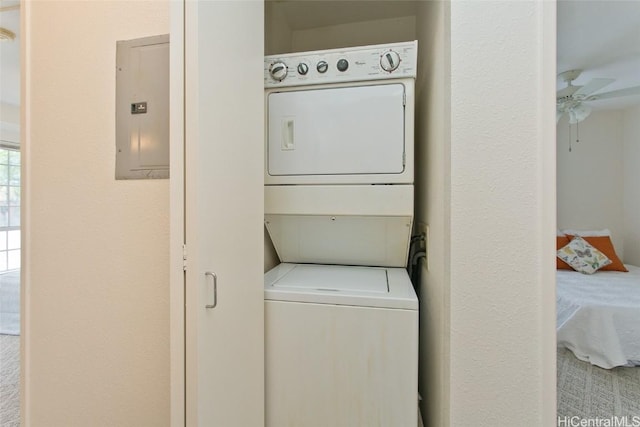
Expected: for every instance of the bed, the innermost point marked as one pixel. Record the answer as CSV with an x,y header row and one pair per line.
x,y
598,316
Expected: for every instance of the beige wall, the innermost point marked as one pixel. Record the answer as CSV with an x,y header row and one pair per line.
x,y
96,330
590,176
631,178
355,34
502,344
597,180
277,37
96,250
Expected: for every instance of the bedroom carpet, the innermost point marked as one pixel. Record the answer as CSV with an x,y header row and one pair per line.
x,y
9,381
10,302
10,349
587,391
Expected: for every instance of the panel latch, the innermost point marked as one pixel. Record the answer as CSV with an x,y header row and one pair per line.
x,y
139,108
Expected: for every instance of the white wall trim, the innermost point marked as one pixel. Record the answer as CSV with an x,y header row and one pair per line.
x,y
547,197
25,212
177,236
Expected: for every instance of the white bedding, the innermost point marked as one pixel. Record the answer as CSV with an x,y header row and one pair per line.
x,y
598,316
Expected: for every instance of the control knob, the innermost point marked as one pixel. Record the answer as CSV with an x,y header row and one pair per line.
x,y
278,71
322,66
390,60
303,68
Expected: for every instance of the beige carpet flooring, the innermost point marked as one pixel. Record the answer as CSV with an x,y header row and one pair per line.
x,y
10,349
10,302
9,381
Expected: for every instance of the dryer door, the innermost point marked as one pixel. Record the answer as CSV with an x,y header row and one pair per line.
x,y
337,131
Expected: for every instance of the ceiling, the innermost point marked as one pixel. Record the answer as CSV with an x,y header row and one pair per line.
x,y
603,39
600,37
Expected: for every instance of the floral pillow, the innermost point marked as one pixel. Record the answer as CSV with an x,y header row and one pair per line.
x,y
582,256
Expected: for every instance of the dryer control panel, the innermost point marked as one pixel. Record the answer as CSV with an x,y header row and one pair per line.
x,y
386,61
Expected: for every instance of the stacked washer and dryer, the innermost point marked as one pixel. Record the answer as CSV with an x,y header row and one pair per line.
x,y
341,315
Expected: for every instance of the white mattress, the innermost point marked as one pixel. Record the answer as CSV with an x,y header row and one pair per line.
x,y
598,316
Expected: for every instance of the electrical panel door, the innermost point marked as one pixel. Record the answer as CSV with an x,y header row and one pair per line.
x,y
142,108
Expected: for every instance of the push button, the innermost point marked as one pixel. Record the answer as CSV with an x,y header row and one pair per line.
x,y
343,64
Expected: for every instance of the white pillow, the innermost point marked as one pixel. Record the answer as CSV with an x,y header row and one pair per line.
x,y
587,233
582,256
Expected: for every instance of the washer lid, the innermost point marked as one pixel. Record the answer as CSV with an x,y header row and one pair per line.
x,y
334,278
341,285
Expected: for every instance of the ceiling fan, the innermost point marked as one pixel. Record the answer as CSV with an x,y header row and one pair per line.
x,y
6,34
571,99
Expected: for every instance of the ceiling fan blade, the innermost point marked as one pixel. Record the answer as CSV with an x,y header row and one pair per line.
x,y
558,115
593,85
567,91
635,90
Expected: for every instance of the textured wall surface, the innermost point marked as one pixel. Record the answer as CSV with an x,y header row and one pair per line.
x,y
502,213
96,249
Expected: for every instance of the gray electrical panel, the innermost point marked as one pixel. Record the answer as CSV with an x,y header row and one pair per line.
x,y
142,108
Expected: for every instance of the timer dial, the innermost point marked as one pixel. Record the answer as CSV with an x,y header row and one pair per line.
x,y
390,60
278,71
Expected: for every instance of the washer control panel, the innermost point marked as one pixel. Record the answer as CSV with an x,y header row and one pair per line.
x,y
394,60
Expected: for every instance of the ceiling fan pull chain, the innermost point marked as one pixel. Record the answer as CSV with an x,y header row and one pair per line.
x,y
569,137
577,132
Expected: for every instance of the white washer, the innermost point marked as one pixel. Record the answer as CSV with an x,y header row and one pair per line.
x,y
341,346
341,315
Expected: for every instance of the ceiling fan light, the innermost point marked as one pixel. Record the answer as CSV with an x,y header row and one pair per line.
x,y
579,113
6,34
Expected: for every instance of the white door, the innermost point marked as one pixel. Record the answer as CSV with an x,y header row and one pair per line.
x,y
337,131
217,324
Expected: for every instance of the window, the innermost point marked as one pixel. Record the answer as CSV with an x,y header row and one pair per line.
x,y
9,209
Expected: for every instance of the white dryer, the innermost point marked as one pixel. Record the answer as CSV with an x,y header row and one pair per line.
x,y
341,315
339,154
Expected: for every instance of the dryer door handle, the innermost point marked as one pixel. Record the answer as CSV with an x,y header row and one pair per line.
x,y
288,134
